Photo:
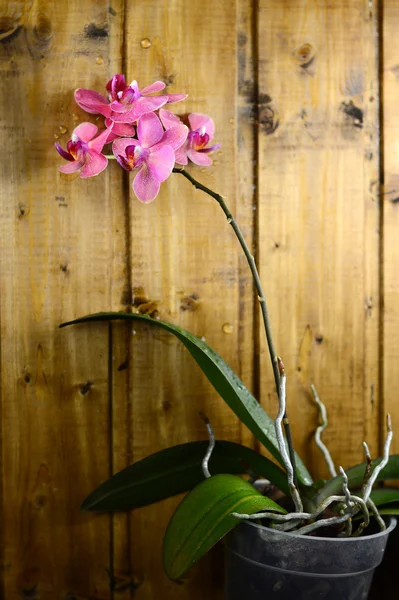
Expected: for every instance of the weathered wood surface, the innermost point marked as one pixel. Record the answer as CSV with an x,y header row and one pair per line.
x,y
175,264
58,258
390,204
293,87
319,216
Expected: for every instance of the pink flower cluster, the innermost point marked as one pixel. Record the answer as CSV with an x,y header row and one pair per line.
x,y
146,138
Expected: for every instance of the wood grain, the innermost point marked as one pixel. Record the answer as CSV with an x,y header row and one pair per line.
x,y
390,199
184,263
294,91
56,250
319,217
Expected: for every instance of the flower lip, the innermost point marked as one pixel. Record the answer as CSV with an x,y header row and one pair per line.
x,y
116,86
133,158
63,152
198,139
76,147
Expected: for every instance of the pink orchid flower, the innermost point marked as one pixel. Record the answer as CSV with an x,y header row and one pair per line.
x,y
126,103
84,152
202,132
153,153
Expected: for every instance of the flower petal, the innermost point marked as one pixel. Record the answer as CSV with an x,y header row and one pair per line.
x,y
211,148
149,130
175,137
154,87
103,138
145,185
119,129
161,162
181,156
176,98
63,152
85,131
147,104
198,120
119,146
92,102
116,84
199,158
168,118
71,167
118,107
123,162
94,164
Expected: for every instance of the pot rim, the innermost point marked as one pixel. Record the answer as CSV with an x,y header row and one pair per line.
x,y
391,524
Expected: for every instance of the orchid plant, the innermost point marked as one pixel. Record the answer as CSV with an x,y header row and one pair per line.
x,y
153,142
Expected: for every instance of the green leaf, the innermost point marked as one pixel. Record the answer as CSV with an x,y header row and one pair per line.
x,y
355,477
224,380
203,518
389,509
176,470
382,496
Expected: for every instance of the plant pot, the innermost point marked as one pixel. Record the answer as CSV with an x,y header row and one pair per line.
x,y
263,563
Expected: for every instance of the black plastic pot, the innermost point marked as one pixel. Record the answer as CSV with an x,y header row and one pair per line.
x,y
264,563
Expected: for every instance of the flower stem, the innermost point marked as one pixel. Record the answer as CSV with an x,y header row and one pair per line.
x,y
261,296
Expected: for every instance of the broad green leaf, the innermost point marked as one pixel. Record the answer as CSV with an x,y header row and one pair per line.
x,y
386,499
224,380
382,496
355,477
176,470
389,509
203,518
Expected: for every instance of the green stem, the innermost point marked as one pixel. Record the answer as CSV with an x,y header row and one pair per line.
x,y
261,296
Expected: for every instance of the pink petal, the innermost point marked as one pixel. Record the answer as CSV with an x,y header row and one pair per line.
x,y
199,158
145,185
85,131
119,146
148,104
176,98
135,87
98,143
63,152
127,117
181,156
119,129
197,121
168,118
211,148
154,87
149,130
94,164
123,129
92,102
118,107
116,84
175,137
71,167
141,107
161,162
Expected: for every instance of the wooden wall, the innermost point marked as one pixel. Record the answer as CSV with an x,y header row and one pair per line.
x,y
304,97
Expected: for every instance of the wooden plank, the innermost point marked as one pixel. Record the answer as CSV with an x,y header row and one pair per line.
x,y
56,248
184,265
246,194
390,199
319,218
119,337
